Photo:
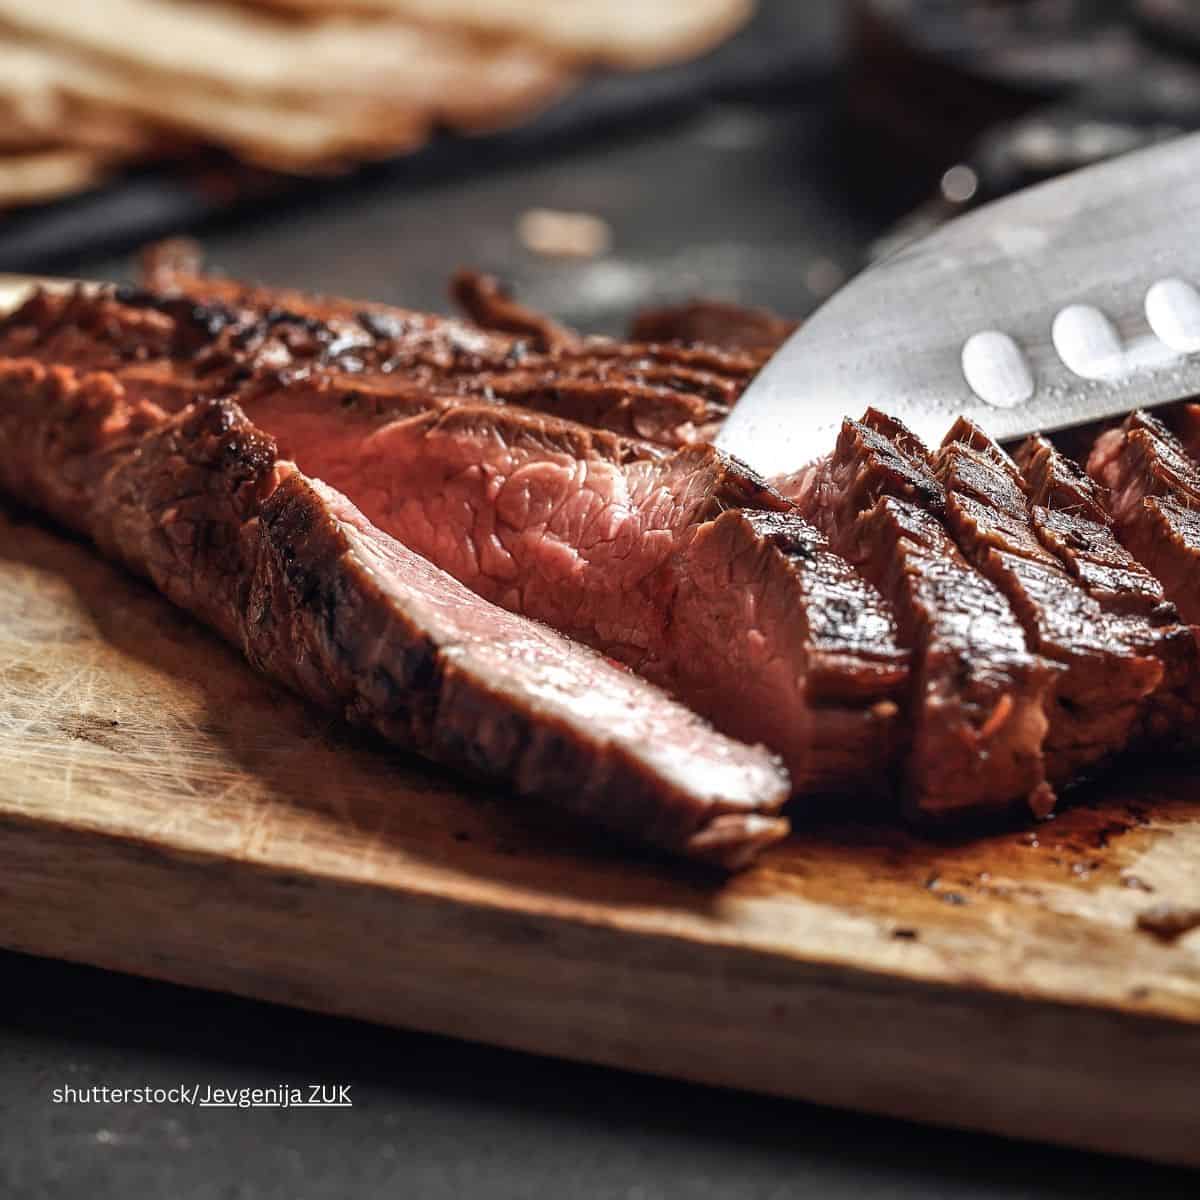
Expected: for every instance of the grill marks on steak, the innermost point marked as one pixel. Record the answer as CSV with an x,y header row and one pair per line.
x,y
1040,645
1153,496
978,698
686,566
223,334
796,621
1107,660
1071,518
293,574
671,394
1067,509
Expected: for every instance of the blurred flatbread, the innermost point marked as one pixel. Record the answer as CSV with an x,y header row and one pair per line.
x,y
77,126
47,174
454,76
625,33
303,86
35,112
277,93
280,134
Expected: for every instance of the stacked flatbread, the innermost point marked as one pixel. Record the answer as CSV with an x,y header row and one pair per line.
x,y
300,86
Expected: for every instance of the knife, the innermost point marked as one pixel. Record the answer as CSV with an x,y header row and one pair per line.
x,y
1065,304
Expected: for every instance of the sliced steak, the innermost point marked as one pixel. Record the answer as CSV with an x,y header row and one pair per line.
x,y
684,566
225,334
1071,520
1108,667
979,698
1153,494
288,570
605,538
668,393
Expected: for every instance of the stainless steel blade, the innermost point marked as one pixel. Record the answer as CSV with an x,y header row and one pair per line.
x,y
1072,301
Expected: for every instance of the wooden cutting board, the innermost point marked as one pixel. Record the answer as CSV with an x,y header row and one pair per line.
x,y
163,811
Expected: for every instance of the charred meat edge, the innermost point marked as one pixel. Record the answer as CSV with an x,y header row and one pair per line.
x,y
289,571
223,345
1153,491
978,697
1108,669
1070,516
671,393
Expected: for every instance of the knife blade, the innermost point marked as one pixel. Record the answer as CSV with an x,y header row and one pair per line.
x,y
1065,304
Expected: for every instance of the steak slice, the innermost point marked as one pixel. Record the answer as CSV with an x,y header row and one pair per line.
x,y
684,566
1153,492
1070,519
1108,667
289,571
671,394
223,334
606,539
979,698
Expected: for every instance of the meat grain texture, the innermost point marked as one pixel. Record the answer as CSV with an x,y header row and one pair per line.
x,y
290,572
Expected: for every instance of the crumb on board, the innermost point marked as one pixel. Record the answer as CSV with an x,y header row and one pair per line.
x,y
556,234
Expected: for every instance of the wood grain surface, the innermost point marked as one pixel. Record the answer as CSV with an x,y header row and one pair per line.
x,y
163,811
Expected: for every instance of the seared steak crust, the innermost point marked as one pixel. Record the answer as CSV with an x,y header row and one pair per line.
x,y
1070,515
667,393
568,479
978,699
1153,490
1108,666
492,306
1070,518
1054,481
224,334
289,571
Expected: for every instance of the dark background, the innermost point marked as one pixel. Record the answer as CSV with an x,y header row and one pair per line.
x,y
737,178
